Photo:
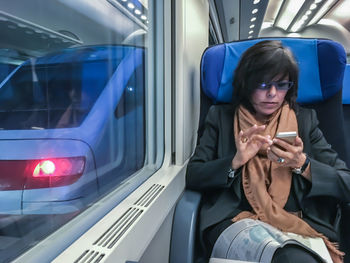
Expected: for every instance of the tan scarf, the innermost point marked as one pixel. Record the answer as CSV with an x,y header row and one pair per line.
x,y
267,184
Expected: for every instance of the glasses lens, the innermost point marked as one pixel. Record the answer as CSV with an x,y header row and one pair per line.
x,y
264,86
283,85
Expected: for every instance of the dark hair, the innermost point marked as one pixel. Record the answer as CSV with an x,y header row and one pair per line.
x,y
261,63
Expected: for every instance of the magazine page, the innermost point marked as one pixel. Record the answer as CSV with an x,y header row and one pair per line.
x,y
255,241
261,240
316,244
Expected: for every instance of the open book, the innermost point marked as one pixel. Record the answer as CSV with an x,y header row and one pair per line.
x,y
255,241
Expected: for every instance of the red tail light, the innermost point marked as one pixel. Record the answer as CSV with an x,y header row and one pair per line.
x,y
44,168
33,174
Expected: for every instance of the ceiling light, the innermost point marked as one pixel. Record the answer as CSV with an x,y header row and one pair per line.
x,y
287,12
253,19
131,5
310,13
313,6
255,11
293,35
297,26
252,26
323,10
265,25
136,9
250,37
256,2
251,32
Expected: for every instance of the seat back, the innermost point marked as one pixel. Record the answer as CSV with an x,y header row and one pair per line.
x,y
346,105
345,240
346,85
321,64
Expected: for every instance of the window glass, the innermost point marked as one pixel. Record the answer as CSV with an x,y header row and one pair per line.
x,y
72,110
59,90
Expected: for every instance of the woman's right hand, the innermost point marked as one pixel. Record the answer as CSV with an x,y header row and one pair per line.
x,y
248,143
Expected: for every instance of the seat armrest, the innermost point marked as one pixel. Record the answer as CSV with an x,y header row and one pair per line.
x,y
184,228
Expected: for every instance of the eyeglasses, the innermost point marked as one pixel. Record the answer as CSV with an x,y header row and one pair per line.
x,y
279,85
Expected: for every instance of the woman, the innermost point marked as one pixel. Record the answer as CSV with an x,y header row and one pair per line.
x,y
244,172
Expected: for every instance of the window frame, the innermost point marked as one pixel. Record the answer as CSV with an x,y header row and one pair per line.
x,y
157,147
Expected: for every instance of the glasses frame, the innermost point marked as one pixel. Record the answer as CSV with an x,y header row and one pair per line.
x,y
279,85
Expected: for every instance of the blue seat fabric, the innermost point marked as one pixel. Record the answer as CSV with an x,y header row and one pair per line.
x,y
346,104
346,85
321,64
345,242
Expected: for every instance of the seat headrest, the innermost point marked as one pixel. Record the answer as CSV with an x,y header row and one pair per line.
x,y
346,85
321,64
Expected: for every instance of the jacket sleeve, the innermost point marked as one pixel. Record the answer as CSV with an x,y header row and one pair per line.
x,y
330,176
205,170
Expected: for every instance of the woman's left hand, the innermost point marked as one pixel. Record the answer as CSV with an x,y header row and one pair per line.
x,y
291,153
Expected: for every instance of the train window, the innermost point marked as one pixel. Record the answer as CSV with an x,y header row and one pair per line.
x,y
59,90
73,111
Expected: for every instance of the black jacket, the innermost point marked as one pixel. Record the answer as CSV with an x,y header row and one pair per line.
x,y
207,172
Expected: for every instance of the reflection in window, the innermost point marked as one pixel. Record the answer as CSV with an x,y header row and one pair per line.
x,y
59,90
72,110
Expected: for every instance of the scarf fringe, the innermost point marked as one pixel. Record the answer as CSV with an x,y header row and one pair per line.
x,y
333,249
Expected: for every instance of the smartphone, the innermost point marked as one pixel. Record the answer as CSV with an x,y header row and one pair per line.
x,y
287,136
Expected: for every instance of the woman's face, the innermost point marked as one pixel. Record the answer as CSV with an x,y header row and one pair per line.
x,y
267,101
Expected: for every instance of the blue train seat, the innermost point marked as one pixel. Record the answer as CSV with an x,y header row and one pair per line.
x,y
346,110
321,64
346,103
346,85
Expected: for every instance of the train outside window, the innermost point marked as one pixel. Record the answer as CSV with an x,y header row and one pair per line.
x,y
72,111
